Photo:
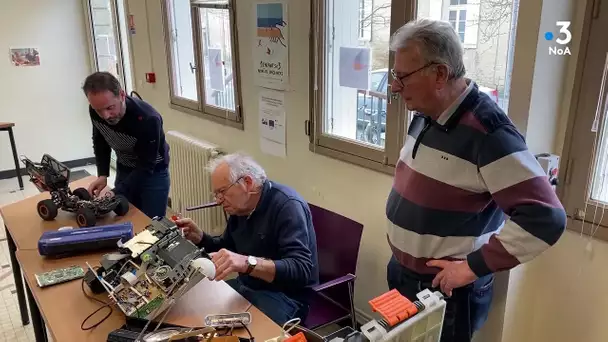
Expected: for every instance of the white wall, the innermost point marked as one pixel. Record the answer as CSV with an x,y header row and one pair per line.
x,y
45,102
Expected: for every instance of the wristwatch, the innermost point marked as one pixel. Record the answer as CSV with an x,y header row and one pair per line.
x,y
251,263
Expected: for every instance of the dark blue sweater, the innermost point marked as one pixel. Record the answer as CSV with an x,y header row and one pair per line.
x,y
138,140
279,229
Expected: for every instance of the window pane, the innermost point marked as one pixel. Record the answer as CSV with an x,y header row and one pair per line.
x,y
487,36
453,2
463,15
461,27
463,2
599,180
355,102
106,52
182,50
217,55
453,15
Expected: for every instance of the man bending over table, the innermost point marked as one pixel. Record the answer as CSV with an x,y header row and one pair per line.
x,y
269,239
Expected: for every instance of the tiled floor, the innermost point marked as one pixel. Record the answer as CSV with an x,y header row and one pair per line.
x,y
10,318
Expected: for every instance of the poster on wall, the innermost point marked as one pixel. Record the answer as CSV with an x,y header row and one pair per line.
x,y
25,57
355,67
272,123
271,45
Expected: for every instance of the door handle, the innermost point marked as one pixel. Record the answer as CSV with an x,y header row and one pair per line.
x,y
391,96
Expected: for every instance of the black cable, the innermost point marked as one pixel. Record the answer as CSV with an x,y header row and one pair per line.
x,y
105,305
251,339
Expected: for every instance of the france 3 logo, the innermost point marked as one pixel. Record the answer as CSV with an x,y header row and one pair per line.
x,y
562,38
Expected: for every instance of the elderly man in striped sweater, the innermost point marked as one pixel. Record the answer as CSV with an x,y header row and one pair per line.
x,y
464,168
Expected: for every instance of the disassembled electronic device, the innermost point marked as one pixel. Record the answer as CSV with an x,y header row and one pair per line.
x,y
53,176
59,276
151,270
228,320
68,241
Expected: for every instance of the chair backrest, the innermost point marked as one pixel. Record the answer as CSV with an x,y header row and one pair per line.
x,y
338,240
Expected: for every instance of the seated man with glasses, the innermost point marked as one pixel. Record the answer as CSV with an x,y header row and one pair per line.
x,y
269,239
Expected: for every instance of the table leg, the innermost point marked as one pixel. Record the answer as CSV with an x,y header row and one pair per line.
x,y
25,320
37,322
15,157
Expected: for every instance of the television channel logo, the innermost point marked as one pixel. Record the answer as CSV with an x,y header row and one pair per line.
x,y
563,37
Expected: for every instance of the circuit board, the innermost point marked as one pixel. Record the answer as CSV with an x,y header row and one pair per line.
x,y
140,299
60,275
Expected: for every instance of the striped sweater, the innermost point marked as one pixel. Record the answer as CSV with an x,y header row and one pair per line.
x,y
456,182
138,141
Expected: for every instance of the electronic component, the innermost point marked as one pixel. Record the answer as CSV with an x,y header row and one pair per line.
x,y
151,270
228,320
404,320
60,275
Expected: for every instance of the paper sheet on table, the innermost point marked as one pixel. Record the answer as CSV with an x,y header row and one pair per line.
x,y
272,123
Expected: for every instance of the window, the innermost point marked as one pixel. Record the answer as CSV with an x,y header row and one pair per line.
x,y
355,117
365,20
464,17
487,30
583,183
110,43
458,19
201,48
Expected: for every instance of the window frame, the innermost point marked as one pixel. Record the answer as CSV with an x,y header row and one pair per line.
x,y
375,158
121,55
200,108
577,155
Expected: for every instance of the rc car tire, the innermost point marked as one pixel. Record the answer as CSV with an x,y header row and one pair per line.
x,y
122,207
47,209
86,217
83,194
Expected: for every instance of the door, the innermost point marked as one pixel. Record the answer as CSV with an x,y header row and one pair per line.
x,y
585,189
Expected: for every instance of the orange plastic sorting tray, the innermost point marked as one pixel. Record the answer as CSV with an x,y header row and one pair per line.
x,y
299,337
393,307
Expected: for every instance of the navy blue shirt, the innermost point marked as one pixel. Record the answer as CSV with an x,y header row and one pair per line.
x,y
279,229
137,139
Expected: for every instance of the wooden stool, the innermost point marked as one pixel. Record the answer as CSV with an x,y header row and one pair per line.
x,y
8,126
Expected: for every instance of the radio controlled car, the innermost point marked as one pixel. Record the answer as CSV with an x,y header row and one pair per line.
x,y
53,176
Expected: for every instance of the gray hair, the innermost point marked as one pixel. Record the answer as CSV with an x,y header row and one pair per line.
x,y
437,40
240,165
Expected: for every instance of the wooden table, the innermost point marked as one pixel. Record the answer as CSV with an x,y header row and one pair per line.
x,y
63,307
8,126
24,227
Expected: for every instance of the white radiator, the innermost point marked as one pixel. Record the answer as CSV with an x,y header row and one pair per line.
x,y
191,182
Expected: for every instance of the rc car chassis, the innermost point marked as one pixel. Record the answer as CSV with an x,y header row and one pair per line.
x,y
52,176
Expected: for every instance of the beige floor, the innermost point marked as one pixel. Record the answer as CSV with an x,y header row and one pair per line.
x,y
10,318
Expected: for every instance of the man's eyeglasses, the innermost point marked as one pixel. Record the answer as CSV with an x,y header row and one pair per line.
x,y
400,79
219,194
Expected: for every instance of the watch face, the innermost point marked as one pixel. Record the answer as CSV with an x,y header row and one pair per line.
x,y
252,261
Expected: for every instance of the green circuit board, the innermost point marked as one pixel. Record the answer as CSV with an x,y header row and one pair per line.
x,y
60,275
